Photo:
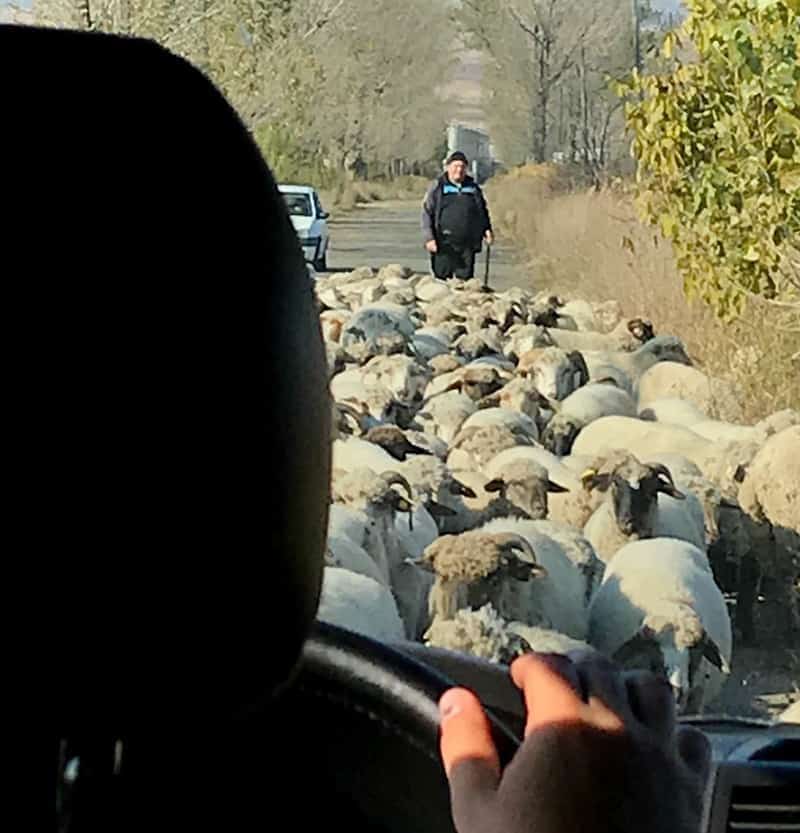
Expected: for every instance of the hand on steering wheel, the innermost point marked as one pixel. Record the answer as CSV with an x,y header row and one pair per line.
x,y
602,752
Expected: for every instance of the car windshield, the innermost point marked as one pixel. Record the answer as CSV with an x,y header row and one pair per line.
x,y
561,294
299,205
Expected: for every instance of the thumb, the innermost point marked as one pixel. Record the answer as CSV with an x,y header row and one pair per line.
x,y
470,757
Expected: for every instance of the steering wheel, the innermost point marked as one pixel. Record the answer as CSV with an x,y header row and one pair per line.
x,y
362,723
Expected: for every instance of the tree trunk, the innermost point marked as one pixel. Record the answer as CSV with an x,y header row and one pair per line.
x,y
85,11
544,98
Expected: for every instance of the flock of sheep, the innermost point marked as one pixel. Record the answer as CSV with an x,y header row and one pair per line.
x,y
515,472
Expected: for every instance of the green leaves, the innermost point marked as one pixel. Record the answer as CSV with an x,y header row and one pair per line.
x,y
717,144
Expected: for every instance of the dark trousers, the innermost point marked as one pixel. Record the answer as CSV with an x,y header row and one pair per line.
x,y
452,261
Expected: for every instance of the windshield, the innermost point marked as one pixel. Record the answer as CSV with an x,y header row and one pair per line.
x,y
561,294
299,205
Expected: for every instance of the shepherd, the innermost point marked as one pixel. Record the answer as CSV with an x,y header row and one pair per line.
x,y
455,220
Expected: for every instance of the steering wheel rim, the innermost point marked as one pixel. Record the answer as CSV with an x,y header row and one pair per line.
x,y
370,713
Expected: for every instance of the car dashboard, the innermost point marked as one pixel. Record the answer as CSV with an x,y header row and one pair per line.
x,y
755,783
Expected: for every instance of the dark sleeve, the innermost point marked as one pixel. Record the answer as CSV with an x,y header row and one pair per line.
x,y
484,209
429,213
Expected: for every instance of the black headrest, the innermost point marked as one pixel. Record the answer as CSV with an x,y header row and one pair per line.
x,y
169,390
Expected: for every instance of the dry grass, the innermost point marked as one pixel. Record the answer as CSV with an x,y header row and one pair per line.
x,y
347,195
573,240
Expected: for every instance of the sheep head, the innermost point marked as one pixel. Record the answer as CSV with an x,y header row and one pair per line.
x,y
392,440
473,556
634,490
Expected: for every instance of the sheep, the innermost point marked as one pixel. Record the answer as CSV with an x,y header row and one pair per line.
x,y
627,335
556,470
426,442
432,291
521,395
633,508
709,395
393,441
343,552
557,599
479,566
770,494
557,373
521,492
474,382
771,487
332,322
633,365
659,609
481,633
377,329
442,492
359,604
403,376
429,346
440,365
354,453
582,313
486,342
522,339
673,411
643,439
374,400
444,415
585,405
516,421
579,551
473,448
373,494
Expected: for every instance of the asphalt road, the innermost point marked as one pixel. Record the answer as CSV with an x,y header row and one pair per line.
x,y
389,232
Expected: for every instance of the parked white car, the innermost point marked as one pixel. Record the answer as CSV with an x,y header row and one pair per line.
x,y
309,221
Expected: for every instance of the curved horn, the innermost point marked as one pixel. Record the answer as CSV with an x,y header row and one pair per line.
x,y
394,477
490,401
513,541
668,488
661,470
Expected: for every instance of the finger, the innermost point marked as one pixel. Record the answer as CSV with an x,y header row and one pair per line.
x,y
652,702
466,737
695,751
550,686
604,689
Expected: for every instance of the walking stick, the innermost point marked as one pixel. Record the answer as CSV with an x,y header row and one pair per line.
x,y
486,287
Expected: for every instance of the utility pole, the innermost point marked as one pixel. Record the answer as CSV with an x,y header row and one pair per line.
x,y
637,35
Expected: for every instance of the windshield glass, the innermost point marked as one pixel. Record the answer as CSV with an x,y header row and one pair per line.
x,y
299,205
561,294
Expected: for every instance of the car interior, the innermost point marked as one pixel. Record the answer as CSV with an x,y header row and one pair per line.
x,y
173,424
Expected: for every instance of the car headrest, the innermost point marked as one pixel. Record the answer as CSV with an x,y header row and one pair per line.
x,y
170,396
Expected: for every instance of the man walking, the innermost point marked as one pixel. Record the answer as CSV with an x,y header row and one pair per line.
x,y
455,220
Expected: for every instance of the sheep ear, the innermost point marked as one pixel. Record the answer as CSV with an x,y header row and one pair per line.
x,y
439,510
669,489
496,485
458,488
712,653
592,479
555,488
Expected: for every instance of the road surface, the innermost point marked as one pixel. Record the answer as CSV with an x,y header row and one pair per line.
x,y
389,232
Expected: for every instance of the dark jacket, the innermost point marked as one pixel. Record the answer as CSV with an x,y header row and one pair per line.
x,y
476,217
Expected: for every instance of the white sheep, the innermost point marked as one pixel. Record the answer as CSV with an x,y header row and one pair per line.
x,y
444,415
585,405
359,604
473,448
354,453
403,376
659,608
556,600
556,470
673,411
670,380
643,501
557,373
627,335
